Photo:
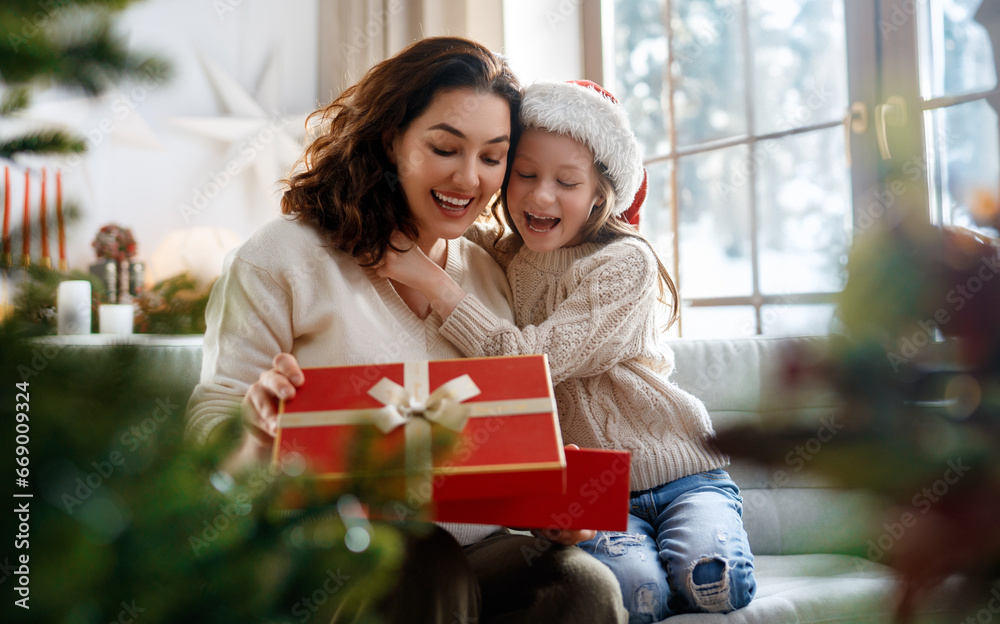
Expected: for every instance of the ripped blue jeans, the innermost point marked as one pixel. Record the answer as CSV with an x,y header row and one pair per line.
x,y
685,550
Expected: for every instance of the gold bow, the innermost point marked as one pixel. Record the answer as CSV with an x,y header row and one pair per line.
x,y
444,406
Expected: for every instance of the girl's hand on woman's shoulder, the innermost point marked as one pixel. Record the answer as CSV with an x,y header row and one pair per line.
x,y
260,404
409,266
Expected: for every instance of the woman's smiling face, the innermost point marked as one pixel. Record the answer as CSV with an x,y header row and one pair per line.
x,y
451,160
552,189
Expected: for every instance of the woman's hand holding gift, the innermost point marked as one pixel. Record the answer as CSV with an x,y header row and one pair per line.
x,y
260,404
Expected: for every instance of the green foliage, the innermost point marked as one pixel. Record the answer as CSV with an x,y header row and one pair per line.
x,y
15,99
126,513
175,305
45,142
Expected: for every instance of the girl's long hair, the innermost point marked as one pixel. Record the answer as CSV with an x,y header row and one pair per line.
x,y
344,183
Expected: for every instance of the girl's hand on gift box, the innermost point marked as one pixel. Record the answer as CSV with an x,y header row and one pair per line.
x,y
260,404
564,536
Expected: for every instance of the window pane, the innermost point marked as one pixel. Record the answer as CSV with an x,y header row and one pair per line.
x,y
800,63
957,56
718,322
796,320
963,163
709,85
715,224
640,71
804,212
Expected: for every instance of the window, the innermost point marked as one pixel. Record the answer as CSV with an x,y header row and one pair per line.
x,y
959,100
768,129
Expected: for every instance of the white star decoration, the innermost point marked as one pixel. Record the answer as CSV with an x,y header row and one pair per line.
x,y
259,136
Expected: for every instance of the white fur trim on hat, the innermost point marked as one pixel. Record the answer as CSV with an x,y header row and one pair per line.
x,y
594,120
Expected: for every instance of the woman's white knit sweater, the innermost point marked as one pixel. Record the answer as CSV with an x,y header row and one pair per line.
x,y
591,309
287,291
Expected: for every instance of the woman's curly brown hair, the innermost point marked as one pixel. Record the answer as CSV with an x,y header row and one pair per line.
x,y
345,184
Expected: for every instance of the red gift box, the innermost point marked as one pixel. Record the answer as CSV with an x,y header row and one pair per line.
x,y
597,497
510,443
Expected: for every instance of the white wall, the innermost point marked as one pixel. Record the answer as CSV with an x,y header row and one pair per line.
x,y
542,38
142,167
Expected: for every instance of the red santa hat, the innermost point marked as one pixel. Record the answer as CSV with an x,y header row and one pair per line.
x,y
590,114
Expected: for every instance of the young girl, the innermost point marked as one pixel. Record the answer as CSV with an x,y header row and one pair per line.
x,y
585,291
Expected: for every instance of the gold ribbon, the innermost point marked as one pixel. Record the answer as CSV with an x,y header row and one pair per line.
x,y
479,409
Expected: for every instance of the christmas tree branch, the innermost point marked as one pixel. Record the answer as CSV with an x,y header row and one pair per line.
x,y
71,46
15,99
44,142
31,8
95,61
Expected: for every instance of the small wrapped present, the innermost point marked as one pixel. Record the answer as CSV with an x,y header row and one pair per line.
x,y
501,410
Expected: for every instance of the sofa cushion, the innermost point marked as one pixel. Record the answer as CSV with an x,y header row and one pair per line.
x,y
738,379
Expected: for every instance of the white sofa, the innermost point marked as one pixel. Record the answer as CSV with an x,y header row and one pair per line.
x,y
809,539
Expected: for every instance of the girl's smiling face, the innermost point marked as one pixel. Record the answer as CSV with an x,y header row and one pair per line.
x,y
552,189
451,160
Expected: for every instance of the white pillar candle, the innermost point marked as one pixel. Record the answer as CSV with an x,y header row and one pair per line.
x,y
73,307
116,318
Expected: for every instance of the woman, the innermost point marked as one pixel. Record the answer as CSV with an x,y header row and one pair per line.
x,y
421,145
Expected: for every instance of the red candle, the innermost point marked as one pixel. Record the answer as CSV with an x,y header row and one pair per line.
x,y
6,216
46,260
26,226
59,222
